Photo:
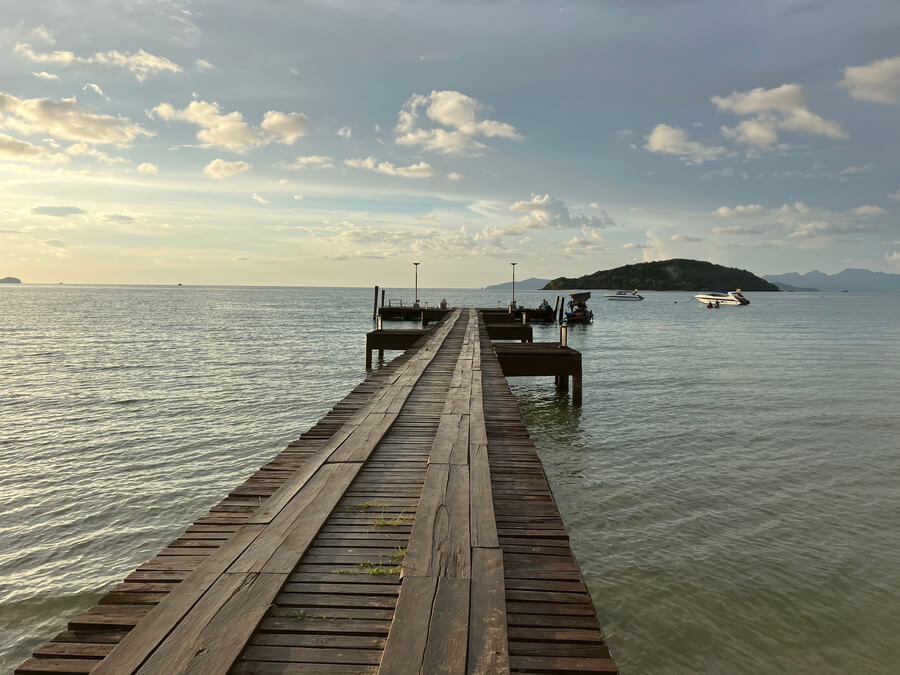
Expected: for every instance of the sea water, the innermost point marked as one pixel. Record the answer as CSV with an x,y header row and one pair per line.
x,y
731,483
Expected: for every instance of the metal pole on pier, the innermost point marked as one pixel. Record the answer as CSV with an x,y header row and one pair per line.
x,y
375,305
417,283
514,283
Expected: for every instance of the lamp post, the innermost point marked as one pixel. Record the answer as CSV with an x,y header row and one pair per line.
x,y
514,284
417,284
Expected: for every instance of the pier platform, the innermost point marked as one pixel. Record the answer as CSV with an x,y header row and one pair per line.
x,y
411,530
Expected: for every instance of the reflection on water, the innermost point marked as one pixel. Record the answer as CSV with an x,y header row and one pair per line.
x,y
730,483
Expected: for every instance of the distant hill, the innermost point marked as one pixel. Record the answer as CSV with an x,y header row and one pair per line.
x,y
677,274
10,280
794,289
849,280
532,284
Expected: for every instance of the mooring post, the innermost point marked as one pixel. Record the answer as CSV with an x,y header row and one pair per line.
x,y
423,319
382,297
563,336
576,388
369,352
375,304
524,320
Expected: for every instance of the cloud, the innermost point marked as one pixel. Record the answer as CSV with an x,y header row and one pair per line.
x,y
22,151
419,170
57,211
453,175
878,81
259,198
141,64
203,64
460,127
119,218
893,257
221,169
285,127
718,173
868,210
55,243
312,162
738,229
43,75
773,110
44,34
65,119
85,150
90,86
344,132
230,131
685,238
741,211
856,170
674,141
895,196
543,212
298,197
148,168
632,244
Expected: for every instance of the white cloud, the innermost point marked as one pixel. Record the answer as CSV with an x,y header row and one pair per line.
x,y
203,64
90,86
685,238
259,198
285,127
57,211
878,81
221,169
893,257
738,229
44,34
148,168
344,132
895,196
85,150
419,170
312,162
772,110
453,175
631,245
743,211
14,149
66,120
230,131
543,212
458,115
674,141
856,170
868,210
141,64
43,75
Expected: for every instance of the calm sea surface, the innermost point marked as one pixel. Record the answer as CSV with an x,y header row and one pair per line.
x,y
731,484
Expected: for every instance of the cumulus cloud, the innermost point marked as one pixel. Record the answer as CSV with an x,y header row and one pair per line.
x,y
344,132
419,170
57,211
771,111
90,86
878,81
259,198
742,211
895,196
801,221
43,75
85,150
856,170
543,212
18,150
203,64
868,210
148,168
221,169
44,34
230,131
738,229
674,141
685,238
66,120
141,64
312,162
458,117
632,244
453,175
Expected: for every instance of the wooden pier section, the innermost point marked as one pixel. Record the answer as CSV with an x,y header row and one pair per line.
x,y
411,530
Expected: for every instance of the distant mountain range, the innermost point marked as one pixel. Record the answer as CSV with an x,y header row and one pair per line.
x,y
849,280
678,274
532,284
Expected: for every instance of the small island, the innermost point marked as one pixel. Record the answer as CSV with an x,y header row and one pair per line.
x,y
10,280
678,274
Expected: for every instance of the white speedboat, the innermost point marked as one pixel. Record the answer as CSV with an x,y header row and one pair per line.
x,y
718,298
623,295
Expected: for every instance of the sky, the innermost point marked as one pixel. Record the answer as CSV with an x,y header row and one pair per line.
x,y
335,143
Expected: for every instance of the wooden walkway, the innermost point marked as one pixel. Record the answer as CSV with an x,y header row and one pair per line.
x,y
412,530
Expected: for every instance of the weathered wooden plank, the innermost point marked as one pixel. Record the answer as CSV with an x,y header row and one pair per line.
x,y
56,666
439,544
488,651
404,649
448,630
213,634
543,664
451,443
483,520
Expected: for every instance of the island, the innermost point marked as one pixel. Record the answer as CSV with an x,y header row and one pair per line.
x,y
10,280
530,284
677,274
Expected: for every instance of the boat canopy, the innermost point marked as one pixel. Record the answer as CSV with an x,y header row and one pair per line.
x,y
580,297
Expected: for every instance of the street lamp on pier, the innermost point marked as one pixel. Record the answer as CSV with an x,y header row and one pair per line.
x,y
514,284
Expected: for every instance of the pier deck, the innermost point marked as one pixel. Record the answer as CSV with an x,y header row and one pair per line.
x,y
412,530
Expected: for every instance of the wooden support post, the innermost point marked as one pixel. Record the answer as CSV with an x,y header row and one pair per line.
x,y
381,354
576,389
563,383
375,305
382,297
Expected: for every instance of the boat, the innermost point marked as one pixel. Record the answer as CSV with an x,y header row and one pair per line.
x,y
623,295
578,309
722,298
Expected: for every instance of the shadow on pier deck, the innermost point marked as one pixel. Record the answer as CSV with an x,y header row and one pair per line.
x,y
412,530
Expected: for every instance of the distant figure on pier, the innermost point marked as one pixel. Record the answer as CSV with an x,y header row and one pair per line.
x,y
545,305
443,303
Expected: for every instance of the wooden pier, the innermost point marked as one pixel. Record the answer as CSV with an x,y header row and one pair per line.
x,y
411,530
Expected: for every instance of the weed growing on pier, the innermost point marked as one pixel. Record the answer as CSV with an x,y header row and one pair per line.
x,y
371,505
401,519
